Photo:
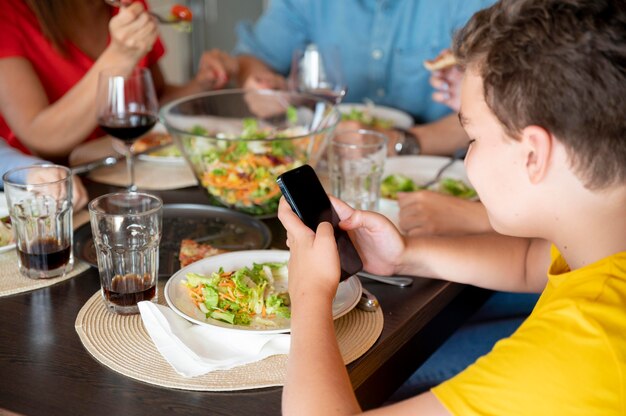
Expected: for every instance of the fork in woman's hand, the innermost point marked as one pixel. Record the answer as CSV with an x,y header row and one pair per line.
x,y
179,14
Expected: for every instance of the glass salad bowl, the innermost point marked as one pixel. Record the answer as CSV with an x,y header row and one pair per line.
x,y
238,141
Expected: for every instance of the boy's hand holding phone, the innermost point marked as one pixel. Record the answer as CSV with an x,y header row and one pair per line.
x,y
307,198
314,260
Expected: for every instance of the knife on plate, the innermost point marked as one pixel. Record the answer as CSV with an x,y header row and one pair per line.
x,y
112,160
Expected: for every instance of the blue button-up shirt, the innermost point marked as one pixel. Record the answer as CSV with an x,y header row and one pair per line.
x,y
382,43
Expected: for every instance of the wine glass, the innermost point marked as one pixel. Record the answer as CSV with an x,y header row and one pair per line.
x,y
127,108
317,71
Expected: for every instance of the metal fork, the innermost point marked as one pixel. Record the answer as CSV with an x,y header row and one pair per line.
x,y
457,155
159,18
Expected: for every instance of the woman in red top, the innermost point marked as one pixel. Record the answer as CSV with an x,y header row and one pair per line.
x,y
50,55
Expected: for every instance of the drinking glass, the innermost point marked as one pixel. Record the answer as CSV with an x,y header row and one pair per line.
x,y
356,164
40,204
127,108
126,230
317,71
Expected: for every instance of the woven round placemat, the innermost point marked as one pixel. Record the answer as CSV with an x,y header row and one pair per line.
x,y
12,282
122,344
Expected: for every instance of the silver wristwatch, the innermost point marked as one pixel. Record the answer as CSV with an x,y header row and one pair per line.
x,y
407,144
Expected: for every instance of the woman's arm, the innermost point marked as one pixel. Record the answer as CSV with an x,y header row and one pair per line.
x,y
53,130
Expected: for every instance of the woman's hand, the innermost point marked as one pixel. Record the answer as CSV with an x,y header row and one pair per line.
x,y
432,213
133,31
314,261
79,194
216,69
377,240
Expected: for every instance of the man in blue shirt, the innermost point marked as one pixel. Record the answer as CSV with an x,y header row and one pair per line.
x,y
382,46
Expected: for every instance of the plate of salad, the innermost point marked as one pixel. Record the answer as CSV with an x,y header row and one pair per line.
x,y
7,239
375,116
244,291
408,173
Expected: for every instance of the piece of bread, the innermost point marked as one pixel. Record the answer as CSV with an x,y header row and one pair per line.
x,y
192,251
442,61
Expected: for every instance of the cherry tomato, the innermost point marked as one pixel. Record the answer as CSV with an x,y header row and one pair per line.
x,y
181,13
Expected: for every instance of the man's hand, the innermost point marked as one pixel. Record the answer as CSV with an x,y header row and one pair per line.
x,y
216,69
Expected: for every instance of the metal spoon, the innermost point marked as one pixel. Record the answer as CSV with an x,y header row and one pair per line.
x,y
390,280
368,302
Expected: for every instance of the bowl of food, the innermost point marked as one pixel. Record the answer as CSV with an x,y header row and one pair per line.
x,y
237,142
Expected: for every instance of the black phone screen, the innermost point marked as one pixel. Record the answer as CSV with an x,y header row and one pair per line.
x,y
306,196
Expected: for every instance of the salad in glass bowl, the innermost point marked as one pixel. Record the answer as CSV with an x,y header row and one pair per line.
x,y
238,141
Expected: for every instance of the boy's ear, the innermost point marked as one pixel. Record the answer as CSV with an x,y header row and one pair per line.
x,y
538,144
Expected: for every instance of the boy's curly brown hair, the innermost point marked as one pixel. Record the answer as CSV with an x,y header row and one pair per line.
x,y
561,65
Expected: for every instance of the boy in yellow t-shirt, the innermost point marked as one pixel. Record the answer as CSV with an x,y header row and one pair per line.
x,y
544,103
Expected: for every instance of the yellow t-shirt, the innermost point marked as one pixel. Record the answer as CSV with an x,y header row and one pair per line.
x,y
567,358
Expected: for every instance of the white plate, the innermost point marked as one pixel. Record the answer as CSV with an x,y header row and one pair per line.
x,y
177,296
178,160
399,117
4,211
420,169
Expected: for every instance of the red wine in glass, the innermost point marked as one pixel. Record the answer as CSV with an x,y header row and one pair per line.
x,y
127,107
128,127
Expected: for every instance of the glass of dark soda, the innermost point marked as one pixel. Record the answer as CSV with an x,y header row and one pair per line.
x,y
126,229
40,205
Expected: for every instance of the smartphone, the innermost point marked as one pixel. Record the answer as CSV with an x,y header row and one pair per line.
x,y
306,196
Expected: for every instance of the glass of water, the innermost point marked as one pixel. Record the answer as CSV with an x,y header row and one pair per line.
x,y
356,164
126,229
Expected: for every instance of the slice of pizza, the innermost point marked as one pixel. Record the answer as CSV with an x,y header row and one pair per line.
x,y
443,60
150,140
192,251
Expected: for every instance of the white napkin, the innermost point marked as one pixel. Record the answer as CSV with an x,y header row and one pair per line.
x,y
194,350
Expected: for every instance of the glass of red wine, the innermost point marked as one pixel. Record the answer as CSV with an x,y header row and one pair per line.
x,y
127,108
317,70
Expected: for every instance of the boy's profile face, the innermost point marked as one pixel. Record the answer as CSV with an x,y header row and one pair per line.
x,y
495,162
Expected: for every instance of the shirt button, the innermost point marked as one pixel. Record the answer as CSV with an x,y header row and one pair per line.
x,y
380,92
377,54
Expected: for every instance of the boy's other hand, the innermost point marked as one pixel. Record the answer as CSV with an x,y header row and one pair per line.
x,y
377,240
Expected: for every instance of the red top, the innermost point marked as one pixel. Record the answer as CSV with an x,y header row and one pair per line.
x,y
21,36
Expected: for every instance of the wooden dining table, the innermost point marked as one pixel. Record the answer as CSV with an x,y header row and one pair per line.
x,y
45,370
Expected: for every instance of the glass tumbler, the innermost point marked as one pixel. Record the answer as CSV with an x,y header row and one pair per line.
x,y
40,205
126,229
356,164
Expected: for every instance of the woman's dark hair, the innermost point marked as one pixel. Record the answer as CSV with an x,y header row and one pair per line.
x,y
56,17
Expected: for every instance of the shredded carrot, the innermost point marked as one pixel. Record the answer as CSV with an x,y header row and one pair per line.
x,y
227,296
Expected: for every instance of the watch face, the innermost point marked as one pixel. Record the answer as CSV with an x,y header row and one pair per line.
x,y
407,144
